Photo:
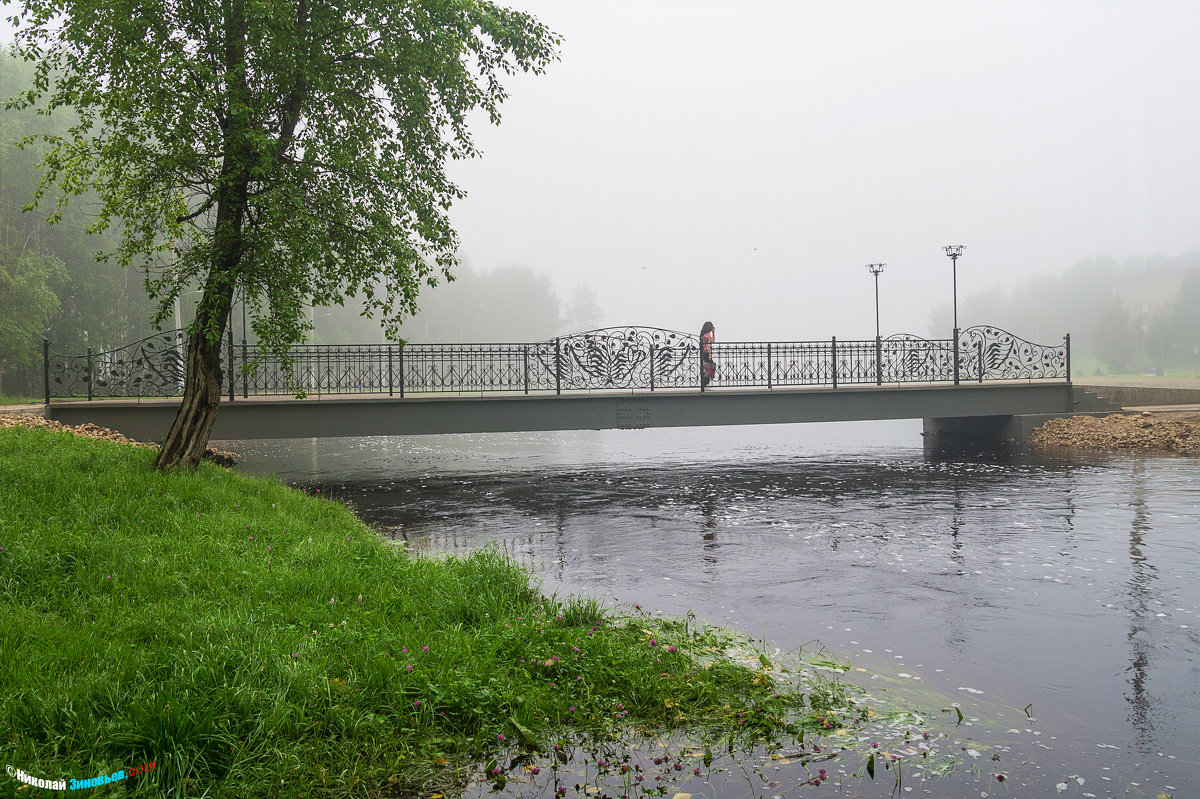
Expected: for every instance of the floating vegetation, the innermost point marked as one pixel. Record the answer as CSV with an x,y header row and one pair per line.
x,y
837,735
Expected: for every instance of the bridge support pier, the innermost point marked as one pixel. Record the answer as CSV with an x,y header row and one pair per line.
x,y
967,434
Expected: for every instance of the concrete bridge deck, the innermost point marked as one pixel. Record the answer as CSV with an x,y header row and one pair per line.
x,y
368,415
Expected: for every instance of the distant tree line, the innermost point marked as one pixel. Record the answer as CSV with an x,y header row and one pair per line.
x,y
1136,316
507,304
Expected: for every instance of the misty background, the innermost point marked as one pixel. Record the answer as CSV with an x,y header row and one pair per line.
x,y
692,160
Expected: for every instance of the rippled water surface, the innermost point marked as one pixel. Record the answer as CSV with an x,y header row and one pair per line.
x,y
1071,586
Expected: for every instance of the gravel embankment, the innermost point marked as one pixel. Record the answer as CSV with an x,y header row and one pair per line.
x,y
1144,432
220,457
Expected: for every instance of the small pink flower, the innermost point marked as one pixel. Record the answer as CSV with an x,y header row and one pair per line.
x,y
408,667
295,654
500,737
670,649
424,649
535,771
416,703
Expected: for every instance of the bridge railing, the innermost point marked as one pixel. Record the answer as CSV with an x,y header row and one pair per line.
x,y
628,359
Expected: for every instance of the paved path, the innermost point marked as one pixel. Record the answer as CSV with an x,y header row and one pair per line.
x,y
37,410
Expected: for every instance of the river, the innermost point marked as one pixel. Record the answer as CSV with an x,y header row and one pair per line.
x,y
1068,585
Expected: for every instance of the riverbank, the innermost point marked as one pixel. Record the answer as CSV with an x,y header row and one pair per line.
x,y
31,416
251,640
1160,431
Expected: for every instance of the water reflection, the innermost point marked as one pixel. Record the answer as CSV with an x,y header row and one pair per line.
x,y
1140,586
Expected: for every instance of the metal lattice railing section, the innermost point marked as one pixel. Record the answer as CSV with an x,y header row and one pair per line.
x,y
627,359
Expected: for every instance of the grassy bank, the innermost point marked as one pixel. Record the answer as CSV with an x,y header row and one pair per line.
x,y
254,641
18,399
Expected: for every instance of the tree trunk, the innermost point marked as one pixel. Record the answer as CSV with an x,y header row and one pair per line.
x,y
188,437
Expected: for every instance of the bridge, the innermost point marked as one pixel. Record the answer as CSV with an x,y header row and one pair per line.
x,y
977,382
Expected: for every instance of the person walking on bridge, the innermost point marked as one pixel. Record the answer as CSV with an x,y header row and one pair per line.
x,y
708,367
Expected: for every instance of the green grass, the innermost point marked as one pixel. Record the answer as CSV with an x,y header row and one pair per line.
x,y
16,399
255,641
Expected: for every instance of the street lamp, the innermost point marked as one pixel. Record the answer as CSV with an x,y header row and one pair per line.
x,y
243,287
875,269
954,250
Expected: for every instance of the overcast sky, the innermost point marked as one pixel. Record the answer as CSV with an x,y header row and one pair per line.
x,y
743,162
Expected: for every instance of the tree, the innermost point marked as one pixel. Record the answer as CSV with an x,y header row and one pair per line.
x,y
99,304
1116,335
27,299
584,311
293,149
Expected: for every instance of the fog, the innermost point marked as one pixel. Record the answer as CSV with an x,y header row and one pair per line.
x,y
701,160
692,160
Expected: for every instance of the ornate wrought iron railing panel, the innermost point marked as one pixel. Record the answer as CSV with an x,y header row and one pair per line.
x,y
151,367
1007,357
624,358
628,359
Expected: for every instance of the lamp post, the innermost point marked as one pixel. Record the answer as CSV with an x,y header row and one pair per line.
x,y
954,250
875,269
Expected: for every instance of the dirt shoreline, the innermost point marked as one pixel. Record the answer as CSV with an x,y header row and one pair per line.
x,y
8,419
1161,431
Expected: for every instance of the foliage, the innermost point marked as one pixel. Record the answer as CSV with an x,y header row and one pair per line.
x,y
252,640
27,300
583,312
1114,335
99,305
295,149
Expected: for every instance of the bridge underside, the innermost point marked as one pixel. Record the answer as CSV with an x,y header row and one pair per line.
x,y
384,416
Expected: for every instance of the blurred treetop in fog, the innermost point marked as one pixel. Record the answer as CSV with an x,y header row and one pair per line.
x,y
509,304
